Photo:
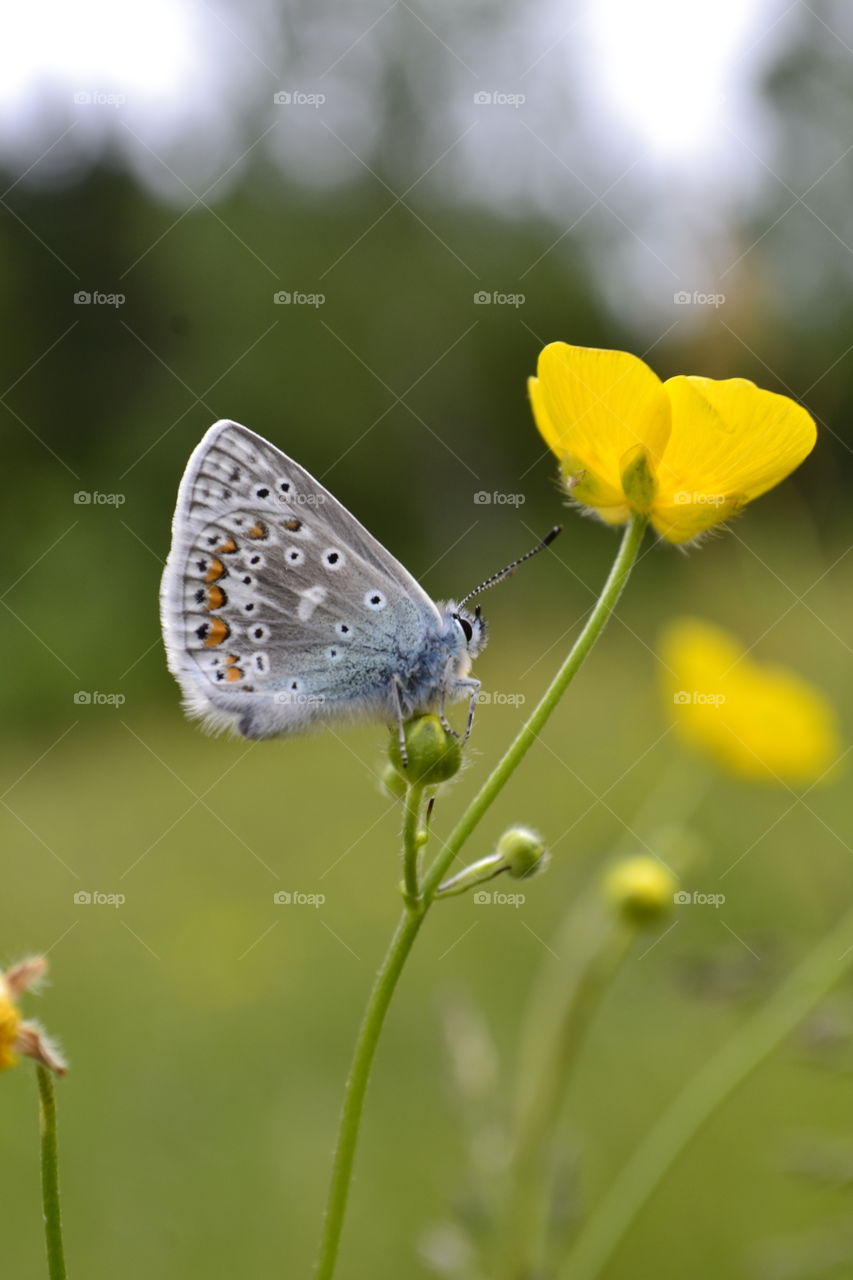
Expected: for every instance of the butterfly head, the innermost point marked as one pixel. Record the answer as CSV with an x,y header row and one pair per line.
x,y
469,629
474,629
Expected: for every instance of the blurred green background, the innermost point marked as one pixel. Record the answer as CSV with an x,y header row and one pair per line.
x,y
678,186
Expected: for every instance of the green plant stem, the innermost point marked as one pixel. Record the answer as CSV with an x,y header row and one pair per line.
x,y
50,1176
412,844
714,1083
544,1094
409,926
356,1087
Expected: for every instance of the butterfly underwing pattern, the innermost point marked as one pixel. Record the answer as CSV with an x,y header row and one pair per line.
x,y
280,610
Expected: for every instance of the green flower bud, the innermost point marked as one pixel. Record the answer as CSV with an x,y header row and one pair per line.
x,y
434,755
522,852
640,889
392,783
638,479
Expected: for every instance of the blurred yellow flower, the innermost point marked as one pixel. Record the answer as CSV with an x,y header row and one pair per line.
x,y
689,452
758,721
17,1036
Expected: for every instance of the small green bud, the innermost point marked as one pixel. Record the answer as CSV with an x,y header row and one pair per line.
x,y
638,479
640,889
522,852
392,783
434,755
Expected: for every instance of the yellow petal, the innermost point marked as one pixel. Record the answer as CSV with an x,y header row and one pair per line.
x,y
583,486
730,442
594,406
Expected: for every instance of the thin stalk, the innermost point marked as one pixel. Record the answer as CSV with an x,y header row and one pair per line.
x,y
409,926
50,1175
545,1093
412,842
713,1084
356,1088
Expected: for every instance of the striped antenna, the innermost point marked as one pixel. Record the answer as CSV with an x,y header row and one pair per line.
x,y
511,568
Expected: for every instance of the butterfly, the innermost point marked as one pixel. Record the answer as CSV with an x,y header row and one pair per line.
x,y
280,610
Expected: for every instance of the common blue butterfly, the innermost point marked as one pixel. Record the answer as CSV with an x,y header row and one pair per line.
x,y
280,610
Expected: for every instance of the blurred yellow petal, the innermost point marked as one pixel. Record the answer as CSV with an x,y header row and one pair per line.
x,y
10,1022
758,722
730,442
593,407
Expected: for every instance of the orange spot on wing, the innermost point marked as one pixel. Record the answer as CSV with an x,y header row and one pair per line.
x,y
216,633
231,659
233,674
215,570
293,525
227,547
215,598
259,530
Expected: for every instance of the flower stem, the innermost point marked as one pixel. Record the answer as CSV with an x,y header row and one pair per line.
x,y
750,1045
409,926
602,952
356,1087
412,843
50,1176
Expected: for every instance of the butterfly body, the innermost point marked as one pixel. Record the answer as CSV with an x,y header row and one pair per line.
x,y
281,611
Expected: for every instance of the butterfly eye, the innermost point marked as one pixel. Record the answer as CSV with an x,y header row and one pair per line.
x,y
467,629
375,600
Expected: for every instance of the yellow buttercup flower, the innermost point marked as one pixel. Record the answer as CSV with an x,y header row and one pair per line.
x,y
758,721
17,1036
688,453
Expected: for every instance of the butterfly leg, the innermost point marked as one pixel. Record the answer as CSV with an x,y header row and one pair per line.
x,y
445,723
401,728
474,687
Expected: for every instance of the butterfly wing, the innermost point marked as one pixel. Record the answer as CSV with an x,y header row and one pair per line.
x,y
278,607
